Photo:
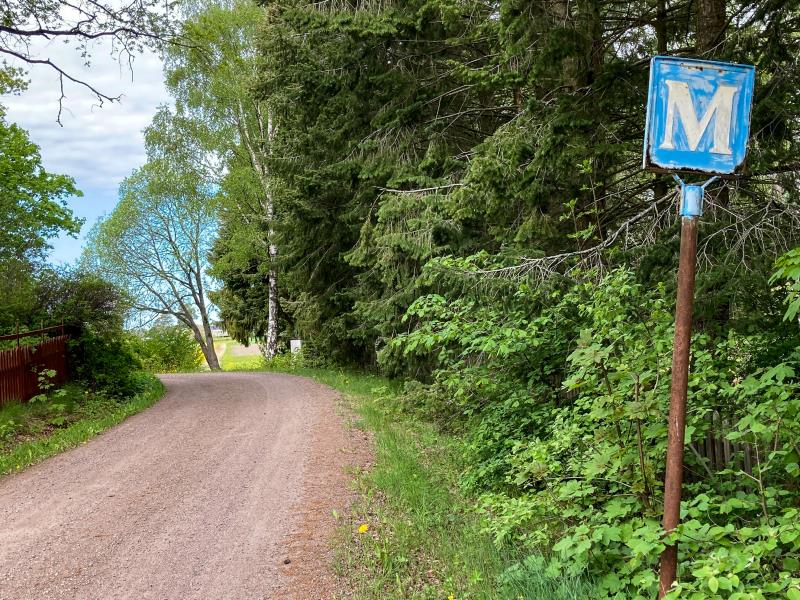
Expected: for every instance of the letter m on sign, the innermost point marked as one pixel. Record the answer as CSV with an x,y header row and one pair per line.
x,y
698,115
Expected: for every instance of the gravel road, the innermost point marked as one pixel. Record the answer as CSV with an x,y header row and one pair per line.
x,y
224,490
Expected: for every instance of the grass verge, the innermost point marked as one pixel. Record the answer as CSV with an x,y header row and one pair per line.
x,y
412,533
34,432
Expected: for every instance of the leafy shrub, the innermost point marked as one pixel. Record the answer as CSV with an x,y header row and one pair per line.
x,y
787,269
80,300
105,363
289,361
167,349
529,578
562,394
93,312
51,410
312,355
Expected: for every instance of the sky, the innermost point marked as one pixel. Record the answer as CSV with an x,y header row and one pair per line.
x,y
97,146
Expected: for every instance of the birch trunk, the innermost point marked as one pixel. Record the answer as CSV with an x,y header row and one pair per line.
x,y
257,152
272,303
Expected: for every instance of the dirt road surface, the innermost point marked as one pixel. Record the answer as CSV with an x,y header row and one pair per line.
x,y
206,495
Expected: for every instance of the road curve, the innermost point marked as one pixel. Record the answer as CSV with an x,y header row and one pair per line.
x,y
206,495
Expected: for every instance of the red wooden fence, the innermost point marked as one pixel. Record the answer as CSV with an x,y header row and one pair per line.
x,y
20,366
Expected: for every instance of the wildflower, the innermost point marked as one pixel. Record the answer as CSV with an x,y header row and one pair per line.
x,y
363,528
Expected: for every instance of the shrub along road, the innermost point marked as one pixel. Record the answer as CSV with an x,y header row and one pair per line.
x,y
205,495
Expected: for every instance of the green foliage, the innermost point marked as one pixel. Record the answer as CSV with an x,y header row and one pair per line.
x,y
444,175
787,269
417,133
154,246
33,210
166,349
44,380
79,299
93,312
32,201
561,395
240,258
412,532
105,364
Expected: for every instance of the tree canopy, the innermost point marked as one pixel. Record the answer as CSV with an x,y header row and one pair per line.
x,y
33,210
154,246
32,201
229,129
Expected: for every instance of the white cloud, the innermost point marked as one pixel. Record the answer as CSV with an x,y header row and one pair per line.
x,y
98,146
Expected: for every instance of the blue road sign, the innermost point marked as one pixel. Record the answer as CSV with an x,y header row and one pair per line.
x,y
698,115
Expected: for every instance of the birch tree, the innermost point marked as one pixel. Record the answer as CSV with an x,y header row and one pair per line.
x,y
154,245
210,78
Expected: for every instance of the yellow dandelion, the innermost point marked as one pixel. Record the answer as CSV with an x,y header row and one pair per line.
x,y
363,528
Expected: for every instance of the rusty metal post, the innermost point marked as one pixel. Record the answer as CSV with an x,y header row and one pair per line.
x,y
691,210
673,478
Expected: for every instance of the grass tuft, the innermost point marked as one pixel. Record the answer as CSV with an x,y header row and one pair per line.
x,y
39,435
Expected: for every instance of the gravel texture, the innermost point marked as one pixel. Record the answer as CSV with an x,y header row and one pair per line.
x,y
225,489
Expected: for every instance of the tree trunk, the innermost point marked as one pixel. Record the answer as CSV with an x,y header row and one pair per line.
x,y
258,149
208,347
710,27
271,346
204,339
210,355
711,21
662,41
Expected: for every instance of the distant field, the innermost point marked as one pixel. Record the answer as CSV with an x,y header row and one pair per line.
x,y
234,356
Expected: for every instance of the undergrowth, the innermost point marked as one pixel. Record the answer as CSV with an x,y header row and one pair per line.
x,y
32,432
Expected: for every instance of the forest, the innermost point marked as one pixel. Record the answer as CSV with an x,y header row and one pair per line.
x,y
450,193
454,197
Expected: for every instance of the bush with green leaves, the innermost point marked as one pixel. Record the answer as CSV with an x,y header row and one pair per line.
x,y
562,392
787,270
106,364
92,312
167,349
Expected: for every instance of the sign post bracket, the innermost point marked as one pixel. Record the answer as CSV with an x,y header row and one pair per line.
x,y
692,196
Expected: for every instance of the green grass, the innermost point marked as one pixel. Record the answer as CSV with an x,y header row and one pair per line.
x,y
241,363
424,540
229,362
30,433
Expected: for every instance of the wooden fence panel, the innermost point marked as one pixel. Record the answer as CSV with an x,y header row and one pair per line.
x,y
19,368
717,453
